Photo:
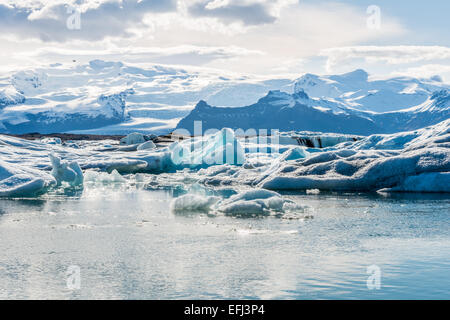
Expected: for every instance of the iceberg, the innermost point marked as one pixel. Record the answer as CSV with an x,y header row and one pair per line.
x,y
435,182
96,177
253,202
219,148
51,140
133,138
18,181
146,146
193,203
374,163
257,202
392,162
69,172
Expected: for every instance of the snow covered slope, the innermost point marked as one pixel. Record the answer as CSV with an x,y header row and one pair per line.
x,y
116,98
299,111
357,90
279,111
104,97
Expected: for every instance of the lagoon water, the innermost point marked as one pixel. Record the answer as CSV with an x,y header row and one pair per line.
x,y
129,245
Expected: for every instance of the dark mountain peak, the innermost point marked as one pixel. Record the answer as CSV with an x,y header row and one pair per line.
x,y
202,104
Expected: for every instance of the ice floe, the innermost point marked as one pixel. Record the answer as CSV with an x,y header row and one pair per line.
x,y
193,203
374,163
18,181
256,202
133,138
69,172
426,182
395,162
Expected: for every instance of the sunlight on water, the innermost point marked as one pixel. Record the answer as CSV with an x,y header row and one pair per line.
x,y
128,245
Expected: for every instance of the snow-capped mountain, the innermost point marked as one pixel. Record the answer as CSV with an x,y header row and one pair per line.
x,y
10,96
280,111
104,97
358,91
349,103
117,98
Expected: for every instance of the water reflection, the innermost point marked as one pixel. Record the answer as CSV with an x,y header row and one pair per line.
x,y
129,245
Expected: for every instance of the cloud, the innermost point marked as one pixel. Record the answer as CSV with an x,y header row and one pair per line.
x,y
46,20
253,36
247,12
385,54
426,71
188,55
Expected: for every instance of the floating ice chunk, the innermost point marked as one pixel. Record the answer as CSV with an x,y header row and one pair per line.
x,y
219,148
313,191
133,138
420,138
160,161
146,146
103,177
253,195
248,208
438,182
20,182
364,171
69,172
295,154
73,145
253,202
21,185
52,140
193,203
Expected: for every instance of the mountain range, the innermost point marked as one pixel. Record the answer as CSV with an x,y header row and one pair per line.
x,y
104,97
350,103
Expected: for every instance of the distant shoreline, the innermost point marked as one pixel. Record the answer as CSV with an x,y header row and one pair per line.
x,y
89,137
66,136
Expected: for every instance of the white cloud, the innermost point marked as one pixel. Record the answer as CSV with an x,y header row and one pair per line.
x,y
247,12
426,71
385,54
46,20
253,36
188,55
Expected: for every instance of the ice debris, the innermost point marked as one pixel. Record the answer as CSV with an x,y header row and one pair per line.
x,y
257,202
19,181
69,172
193,203
146,146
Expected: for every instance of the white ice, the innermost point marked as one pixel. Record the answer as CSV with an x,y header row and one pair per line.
x,y
220,160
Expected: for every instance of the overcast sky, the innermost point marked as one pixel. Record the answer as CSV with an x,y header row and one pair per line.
x,y
270,37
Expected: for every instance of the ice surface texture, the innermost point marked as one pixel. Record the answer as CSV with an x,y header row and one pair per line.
x,y
257,202
374,163
415,161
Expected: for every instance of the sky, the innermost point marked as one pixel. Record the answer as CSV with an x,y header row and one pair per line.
x,y
275,38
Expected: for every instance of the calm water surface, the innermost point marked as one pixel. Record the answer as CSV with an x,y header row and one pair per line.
x,y
128,245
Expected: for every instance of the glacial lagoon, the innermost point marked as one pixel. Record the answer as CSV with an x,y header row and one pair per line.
x,y
127,243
